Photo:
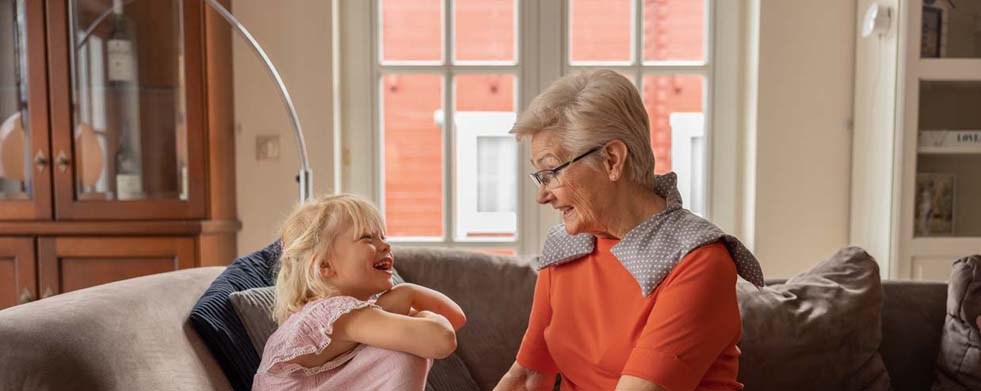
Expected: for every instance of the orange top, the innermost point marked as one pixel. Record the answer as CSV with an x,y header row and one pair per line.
x,y
590,322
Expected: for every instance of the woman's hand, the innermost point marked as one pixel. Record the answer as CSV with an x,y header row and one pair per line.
x,y
519,378
404,298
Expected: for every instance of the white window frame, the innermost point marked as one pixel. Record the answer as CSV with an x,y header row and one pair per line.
x,y
542,57
471,127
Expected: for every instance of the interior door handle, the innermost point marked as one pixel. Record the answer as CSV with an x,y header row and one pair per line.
x,y
40,160
62,161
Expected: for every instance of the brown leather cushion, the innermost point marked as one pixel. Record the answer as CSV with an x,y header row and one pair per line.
x,y
959,363
820,330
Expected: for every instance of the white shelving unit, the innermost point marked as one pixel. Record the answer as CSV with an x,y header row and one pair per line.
x,y
898,94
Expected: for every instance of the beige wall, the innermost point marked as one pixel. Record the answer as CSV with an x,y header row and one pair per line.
x,y
795,143
801,144
297,36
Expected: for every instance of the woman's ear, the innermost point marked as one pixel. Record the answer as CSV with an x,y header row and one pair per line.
x,y
614,158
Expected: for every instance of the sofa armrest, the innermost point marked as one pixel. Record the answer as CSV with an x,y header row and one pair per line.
x,y
126,335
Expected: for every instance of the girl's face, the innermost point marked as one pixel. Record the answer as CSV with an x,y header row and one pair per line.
x,y
359,265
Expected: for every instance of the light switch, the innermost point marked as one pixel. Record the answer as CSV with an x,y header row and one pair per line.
x,y
267,147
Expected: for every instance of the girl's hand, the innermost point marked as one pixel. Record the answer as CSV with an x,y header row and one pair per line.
x,y
397,300
425,299
405,297
425,334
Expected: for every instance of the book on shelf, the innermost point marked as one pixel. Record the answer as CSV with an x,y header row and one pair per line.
x,y
949,141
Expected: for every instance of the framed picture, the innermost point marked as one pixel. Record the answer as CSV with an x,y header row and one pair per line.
x,y
931,35
934,204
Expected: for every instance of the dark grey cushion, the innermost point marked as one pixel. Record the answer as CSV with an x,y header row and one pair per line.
x,y
959,362
214,318
912,322
820,330
496,294
254,308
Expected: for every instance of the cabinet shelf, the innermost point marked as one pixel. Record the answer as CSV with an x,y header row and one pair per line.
x,y
952,69
945,245
947,151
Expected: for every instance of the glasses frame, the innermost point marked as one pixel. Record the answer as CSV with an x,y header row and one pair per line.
x,y
537,176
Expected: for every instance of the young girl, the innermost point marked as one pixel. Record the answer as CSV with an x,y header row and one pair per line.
x,y
331,335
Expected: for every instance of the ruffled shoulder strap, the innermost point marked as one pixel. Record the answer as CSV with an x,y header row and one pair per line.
x,y
309,332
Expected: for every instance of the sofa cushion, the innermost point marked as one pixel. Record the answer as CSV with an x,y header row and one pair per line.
x,y
126,335
215,320
912,323
254,308
959,363
494,291
819,330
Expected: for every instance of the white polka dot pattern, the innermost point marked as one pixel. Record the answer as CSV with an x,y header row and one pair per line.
x,y
652,249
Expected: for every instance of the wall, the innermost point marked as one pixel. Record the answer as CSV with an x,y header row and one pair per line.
x,y
801,144
795,142
296,35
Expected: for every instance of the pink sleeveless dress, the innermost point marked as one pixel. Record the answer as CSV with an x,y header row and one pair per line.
x,y
362,368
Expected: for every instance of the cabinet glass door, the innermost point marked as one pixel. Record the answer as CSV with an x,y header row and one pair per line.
x,y
24,174
128,150
950,29
948,164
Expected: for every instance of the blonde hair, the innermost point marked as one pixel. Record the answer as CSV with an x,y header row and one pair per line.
x,y
589,109
307,238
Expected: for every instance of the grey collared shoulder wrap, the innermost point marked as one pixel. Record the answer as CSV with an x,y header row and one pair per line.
x,y
654,247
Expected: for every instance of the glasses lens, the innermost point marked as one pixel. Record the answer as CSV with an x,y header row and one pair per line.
x,y
547,178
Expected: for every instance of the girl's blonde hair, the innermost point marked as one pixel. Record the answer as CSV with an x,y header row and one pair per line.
x,y
308,235
591,108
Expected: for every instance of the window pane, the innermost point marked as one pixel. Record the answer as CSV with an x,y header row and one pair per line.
x,y
486,157
413,155
412,30
674,30
674,105
15,132
483,30
497,160
599,30
128,103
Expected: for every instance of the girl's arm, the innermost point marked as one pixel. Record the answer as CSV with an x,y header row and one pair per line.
x,y
424,334
404,297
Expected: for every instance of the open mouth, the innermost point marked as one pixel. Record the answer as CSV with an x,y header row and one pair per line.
x,y
565,211
385,264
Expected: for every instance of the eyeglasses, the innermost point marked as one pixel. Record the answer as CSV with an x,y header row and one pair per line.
x,y
545,177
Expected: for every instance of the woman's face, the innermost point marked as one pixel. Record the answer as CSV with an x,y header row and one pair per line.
x,y
576,191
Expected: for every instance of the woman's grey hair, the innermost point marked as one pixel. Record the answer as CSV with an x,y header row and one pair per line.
x,y
589,109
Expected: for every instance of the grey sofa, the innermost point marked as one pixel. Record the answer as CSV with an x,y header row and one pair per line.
x,y
134,334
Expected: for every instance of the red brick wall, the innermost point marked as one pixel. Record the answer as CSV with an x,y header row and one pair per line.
x,y
413,143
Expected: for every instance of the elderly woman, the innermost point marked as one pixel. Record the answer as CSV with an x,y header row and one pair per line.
x,y
634,292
